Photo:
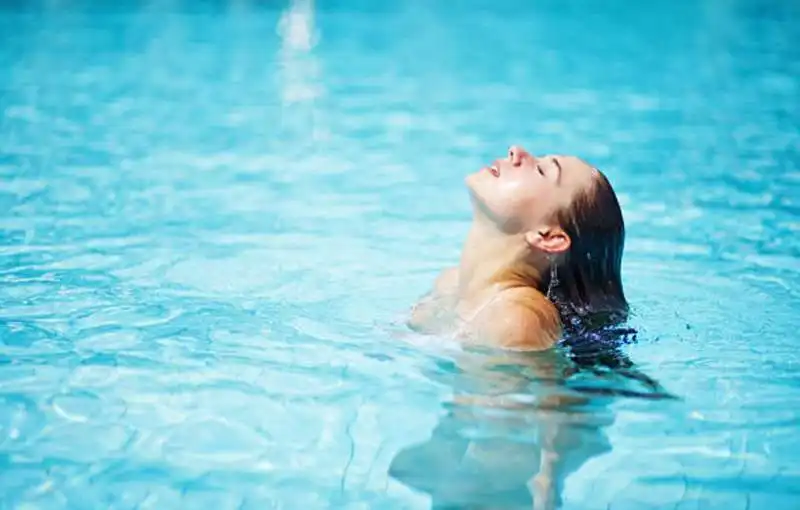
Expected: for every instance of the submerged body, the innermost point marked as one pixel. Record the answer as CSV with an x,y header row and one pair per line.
x,y
492,448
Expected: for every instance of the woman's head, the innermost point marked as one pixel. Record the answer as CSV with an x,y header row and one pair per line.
x,y
569,217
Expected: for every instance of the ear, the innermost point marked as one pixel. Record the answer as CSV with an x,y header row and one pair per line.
x,y
551,240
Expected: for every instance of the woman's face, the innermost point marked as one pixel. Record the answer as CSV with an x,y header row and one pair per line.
x,y
522,192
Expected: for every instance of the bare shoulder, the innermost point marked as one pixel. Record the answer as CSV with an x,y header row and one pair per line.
x,y
521,319
447,281
429,314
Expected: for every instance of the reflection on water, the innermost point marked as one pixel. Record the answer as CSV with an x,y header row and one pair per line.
x,y
296,26
299,73
517,426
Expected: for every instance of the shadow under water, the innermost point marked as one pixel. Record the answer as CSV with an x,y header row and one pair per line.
x,y
519,424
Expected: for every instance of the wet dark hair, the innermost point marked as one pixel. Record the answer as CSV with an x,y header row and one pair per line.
x,y
586,285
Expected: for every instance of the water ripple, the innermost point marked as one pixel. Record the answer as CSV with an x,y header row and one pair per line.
x,y
211,230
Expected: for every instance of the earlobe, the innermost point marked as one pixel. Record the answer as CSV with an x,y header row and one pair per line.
x,y
549,240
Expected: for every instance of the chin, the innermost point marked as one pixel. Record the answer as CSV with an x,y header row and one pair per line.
x,y
477,189
474,181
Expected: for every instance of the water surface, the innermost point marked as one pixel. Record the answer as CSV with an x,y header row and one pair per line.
x,y
214,215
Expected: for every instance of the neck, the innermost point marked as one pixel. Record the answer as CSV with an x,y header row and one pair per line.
x,y
491,257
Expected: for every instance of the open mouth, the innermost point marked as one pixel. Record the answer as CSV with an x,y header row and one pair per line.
x,y
495,170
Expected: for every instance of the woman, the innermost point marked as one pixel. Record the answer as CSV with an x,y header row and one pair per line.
x,y
541,263
542,257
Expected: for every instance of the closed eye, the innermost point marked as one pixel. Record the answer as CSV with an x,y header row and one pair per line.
x,y
560,170
539,168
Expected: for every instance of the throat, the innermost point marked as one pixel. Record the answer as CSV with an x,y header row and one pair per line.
x,y
492,260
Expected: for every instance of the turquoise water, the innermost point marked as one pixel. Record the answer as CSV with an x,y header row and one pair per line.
x,y
214,215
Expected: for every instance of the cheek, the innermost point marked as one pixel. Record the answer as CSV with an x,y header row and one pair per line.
x,y
510,200
517,195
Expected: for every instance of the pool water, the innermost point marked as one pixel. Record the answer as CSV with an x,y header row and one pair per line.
x,y
215,215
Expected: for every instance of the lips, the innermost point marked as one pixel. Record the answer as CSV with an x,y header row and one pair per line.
x,y
494,169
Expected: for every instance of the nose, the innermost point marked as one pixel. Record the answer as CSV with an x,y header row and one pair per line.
x,y
517,155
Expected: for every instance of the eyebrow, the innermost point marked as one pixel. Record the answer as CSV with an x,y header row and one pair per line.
x,y
558,165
